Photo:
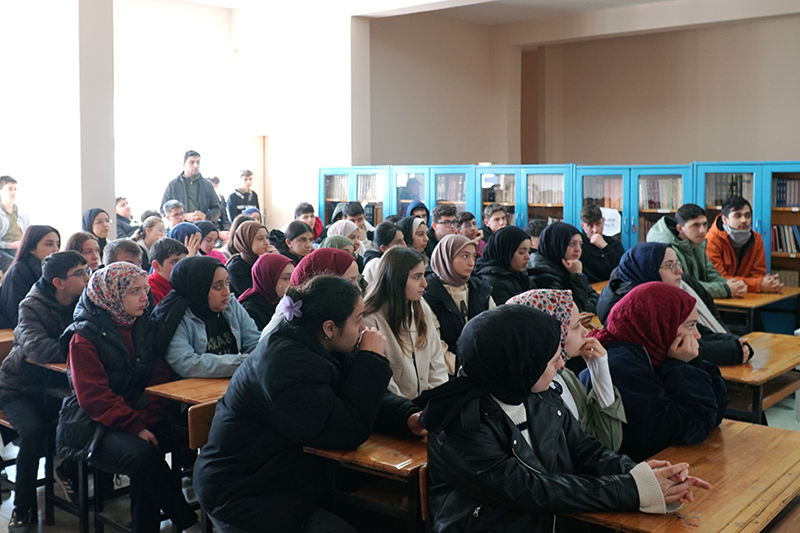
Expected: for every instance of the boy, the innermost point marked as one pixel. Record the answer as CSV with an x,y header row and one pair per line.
x,y
173,212
443,222
494,218
122,250
123,212
304,212
12,222
467,226
354,212
243,197
601,254
164,254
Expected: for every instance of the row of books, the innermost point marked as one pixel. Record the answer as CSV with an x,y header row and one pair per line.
x,y
336,187
644,226
786,192
374,213
452,187
546,189
790,278
663,193
369,187
785,239
720,187
603,192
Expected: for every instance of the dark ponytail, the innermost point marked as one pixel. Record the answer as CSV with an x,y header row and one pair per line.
x,y
324,298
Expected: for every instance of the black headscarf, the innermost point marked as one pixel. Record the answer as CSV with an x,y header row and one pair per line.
x,y
503,244
503,352
88,223
554,241
407,226
642,262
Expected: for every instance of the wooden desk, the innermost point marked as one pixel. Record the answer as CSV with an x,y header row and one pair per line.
x,y
767,378
6,342
753,301
599,286
192,391
393,459
754,471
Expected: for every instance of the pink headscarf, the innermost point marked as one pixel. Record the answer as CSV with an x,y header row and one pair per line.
x,y
266,271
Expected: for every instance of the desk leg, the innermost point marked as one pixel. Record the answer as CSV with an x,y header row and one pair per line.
x,y
758,397
415,524
751,320
49,469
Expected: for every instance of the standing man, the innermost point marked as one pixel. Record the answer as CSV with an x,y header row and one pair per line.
x,y
243,197
123,212
12,222
443,222
601,254
194,192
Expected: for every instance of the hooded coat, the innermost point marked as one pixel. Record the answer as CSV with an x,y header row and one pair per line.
x,y
749,263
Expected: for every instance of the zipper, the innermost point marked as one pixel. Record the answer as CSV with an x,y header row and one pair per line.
x,y
477,511
523,462
416,370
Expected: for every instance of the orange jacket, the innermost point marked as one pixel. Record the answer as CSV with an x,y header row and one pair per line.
x,y
722,254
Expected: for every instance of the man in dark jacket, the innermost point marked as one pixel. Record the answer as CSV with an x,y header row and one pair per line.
x,y
194,192
443,222
601,254
123,216
43,316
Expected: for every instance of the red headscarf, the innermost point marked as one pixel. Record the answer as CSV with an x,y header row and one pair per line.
x,y
321,261
649,315
266,272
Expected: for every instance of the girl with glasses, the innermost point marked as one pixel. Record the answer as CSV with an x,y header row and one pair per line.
x,y
97,222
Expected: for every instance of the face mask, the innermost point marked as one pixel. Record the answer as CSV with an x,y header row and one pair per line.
x,y
738,236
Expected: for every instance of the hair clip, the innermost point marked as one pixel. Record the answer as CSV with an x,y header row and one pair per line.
x,y
290,308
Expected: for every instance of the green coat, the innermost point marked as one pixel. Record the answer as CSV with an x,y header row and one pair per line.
x,y
603,424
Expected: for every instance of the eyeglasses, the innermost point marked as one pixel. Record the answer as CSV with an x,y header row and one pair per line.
x,y
673,266
469,225
81,273
176,215
447,223
102,221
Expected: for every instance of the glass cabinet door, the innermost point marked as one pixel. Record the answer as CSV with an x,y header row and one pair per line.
x,y
722,185
370,192
410,185
659,194
779,219
451,188
608,188
545,197
499,187
336,188
603,190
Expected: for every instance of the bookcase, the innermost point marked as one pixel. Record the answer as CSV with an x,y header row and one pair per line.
x,y
606,186
545,191
410,184
499,185
782,181
656,191
368,185
454,185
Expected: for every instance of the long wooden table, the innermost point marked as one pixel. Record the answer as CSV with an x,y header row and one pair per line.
x,y
192,391
753,301
755,474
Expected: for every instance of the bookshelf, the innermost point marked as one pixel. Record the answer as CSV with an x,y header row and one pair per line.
x,y
659,195
499,186
721,185
370,193
410,186
544,195
785,224
451,188
336,190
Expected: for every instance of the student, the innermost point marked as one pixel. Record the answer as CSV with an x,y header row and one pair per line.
x,y
149,213
558,265
443,222
736,251
468,227
489,470
495,217
326,261
122,250
86,244
146,235
339,242
188,234
417,208
203,331
37,243
209,234
272,275
337,215
354,212
655,261
223,223
43,315
13,222
394,306
122,210
254,214
174,212
601,254
304,212
686,234
250,241
307,387
600,412
243,197
387,235
165,254
194,192
97,222
453,293
504,263
228,249
535,228
415,233
297,241
111,362
670,396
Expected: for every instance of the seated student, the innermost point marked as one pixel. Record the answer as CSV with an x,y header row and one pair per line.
x,y
601,254
254,214
348,229
13,222
146,235
337,215
86,244
443,222
228,249
97,222
670,395
686,234
297,242
122,212
339,242
188,234
243,197
534,229
209,234
149,213
494,218
164,254
111,329
417,208
415,233
174,212
37,243
251,241
600,412
468,227
387,235
394,306
354,212
204,332
504,263
502,455
655,261
453,293
736,251
43,315
271,277
307,387
304,212
124,250
558,265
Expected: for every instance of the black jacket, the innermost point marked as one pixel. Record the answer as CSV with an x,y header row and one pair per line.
x,y
240,275
503,281
483,476
42,321
288,394
278,239
369,255
17,282
124,228
432,242
597,263
239,201
223,222
546,275
716,348
259,309
207,199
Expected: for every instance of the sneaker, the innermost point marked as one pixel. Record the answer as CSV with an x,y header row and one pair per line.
x,y
66,484
23,520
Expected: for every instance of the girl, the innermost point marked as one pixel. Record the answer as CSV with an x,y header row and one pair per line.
x,y
387,235
454,294
489,472
111,362
339,242
251,241
394,306
271,277
188,234
204,331
298,241
253,213
209,234
504,263
37,243
349,229
670,396
86,244
98,223
557,265
145,235
228,249
415,233
600,412
653,261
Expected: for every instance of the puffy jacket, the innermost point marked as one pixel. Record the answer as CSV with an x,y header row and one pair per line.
x,y
598,263
240,275
207,199
748,264
693,257
259,309
546,275
503,281
17,282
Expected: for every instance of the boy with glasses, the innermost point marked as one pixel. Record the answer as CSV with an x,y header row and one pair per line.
x,y
467,226
443,222
173,212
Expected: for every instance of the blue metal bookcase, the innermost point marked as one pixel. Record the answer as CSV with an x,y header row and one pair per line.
x,y
546,192
656,191
408,183
454,184
499,184
606,186
369,185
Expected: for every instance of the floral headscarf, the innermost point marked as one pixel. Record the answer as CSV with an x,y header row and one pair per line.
x,y
108,286
556,303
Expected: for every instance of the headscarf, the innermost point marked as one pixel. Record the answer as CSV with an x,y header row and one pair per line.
x,y
649,315
343,227
338,210
335,241
415,204
641,263
556,303
409,226
503,245
444,254
321,261
250,210
183,230
554,241
243,240
206,227
108,286
266,273
87,222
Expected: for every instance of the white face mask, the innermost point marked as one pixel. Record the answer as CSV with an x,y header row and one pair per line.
x,y
738,236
